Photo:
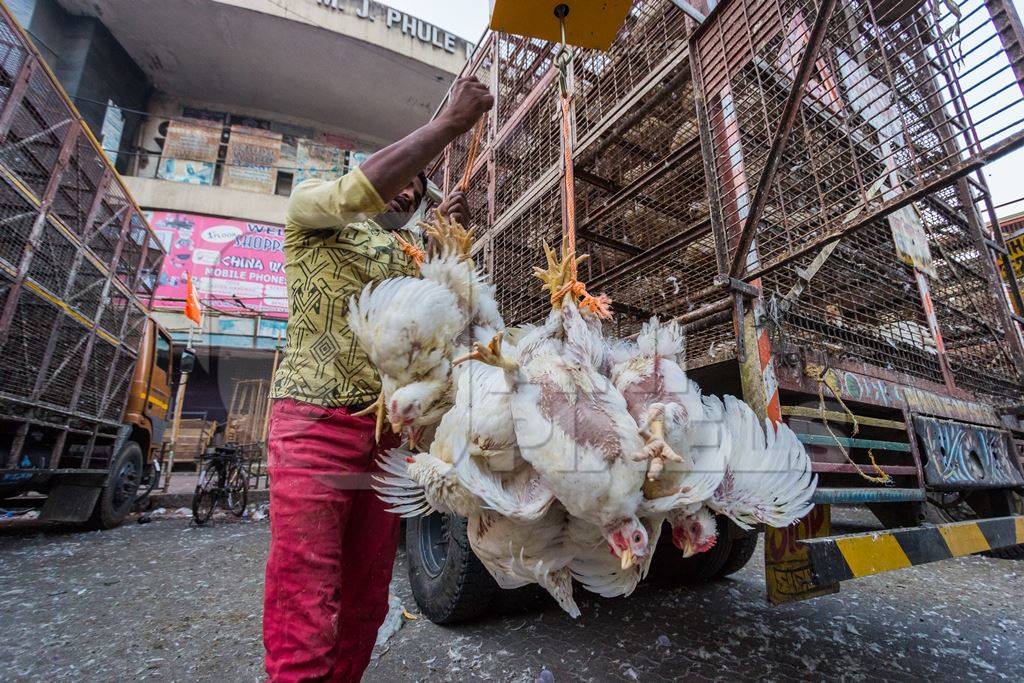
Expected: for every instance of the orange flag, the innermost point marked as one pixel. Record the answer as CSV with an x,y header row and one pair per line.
x,y
193,311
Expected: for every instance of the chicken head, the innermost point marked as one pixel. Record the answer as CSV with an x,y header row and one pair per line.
x,y
694,532
628,541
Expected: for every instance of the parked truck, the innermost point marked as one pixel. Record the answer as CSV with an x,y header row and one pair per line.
x,y
801,185
85,373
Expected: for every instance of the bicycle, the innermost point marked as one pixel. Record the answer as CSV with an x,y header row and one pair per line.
x,y
224,480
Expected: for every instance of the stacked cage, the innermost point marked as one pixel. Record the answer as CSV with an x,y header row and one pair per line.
x,y
673,128
77,260
640,186
901,102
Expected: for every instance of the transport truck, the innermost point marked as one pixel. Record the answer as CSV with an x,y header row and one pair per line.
x,y
802,185
85,373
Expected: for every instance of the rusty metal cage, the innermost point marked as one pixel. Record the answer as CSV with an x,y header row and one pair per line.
x,y
827,127
78,262
685,188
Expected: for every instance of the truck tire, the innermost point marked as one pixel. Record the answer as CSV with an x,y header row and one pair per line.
x,y
743,546
448,583
118,493
731,553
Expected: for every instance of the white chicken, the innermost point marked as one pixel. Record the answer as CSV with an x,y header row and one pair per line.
x,y
768,480
601,572
687,450
392,324
407,327
455,269
517,554
570,423
473,462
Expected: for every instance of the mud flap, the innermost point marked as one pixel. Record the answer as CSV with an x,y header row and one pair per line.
x,y
787,563
70,503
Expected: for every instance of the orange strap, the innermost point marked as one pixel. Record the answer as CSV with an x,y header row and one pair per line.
x,y
569,229
599,305
474,149
417,255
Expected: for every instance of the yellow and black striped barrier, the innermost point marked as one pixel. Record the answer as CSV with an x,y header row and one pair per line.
x,y
840,558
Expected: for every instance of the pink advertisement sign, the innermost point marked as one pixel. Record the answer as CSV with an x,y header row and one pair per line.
x,y
237,267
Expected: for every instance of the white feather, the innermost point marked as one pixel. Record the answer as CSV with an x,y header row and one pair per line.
x,y
768,478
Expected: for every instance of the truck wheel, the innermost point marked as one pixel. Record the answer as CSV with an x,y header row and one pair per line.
x,y
730,554
448,582
743,546
118,493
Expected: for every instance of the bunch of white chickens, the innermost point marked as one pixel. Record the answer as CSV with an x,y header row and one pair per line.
x,y
564,449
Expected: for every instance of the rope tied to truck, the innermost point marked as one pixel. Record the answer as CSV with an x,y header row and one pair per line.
x,y
826,378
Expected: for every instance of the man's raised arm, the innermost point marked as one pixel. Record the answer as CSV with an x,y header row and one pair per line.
x,y
325,204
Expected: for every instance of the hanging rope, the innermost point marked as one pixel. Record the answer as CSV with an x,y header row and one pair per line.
x,y
825,378
474,149
599,305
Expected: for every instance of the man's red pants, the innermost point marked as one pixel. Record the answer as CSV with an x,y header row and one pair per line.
x,y
332,544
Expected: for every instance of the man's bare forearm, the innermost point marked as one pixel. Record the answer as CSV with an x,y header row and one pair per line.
x,y
393,168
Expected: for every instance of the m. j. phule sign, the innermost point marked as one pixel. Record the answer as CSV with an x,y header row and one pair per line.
x,y
394,19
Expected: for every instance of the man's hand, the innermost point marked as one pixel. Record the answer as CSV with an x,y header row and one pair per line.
x,y
456,207
392,169
469,100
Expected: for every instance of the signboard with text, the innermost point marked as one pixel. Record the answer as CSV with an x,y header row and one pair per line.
x,y
314,160
190,152
252,159
236,266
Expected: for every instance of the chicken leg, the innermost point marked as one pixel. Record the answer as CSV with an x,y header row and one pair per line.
x,y
657,451
449,235
489,354
559,277
378,407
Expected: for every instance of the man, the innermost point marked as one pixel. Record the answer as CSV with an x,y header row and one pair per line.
x,y
332,541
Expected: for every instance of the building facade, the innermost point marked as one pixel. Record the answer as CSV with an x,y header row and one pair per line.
x,y
213,110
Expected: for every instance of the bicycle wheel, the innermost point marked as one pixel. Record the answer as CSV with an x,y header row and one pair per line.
x,y
204,500
236,491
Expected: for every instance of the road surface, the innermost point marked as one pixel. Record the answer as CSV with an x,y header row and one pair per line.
x,y
164,601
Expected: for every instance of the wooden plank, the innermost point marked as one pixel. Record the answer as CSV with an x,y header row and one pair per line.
x,y
826,440
836,416
847,468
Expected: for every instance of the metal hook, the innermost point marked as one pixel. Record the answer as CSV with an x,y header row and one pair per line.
x,y
564,55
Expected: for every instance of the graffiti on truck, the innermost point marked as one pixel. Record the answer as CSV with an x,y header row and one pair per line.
x,y
787,563
856,387
960,454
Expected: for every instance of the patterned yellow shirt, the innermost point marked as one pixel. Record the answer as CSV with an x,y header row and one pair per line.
x,y
332,249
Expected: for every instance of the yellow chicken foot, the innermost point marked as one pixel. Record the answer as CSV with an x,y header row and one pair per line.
x,y
489,354
447,234
657,451
379,406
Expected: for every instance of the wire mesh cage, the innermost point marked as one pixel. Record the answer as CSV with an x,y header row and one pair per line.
x,y
673,129
899,103
900,99
70,312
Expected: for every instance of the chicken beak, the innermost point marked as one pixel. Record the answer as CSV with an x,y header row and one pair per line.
x,y
396,427
627,559
414,439
687,549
